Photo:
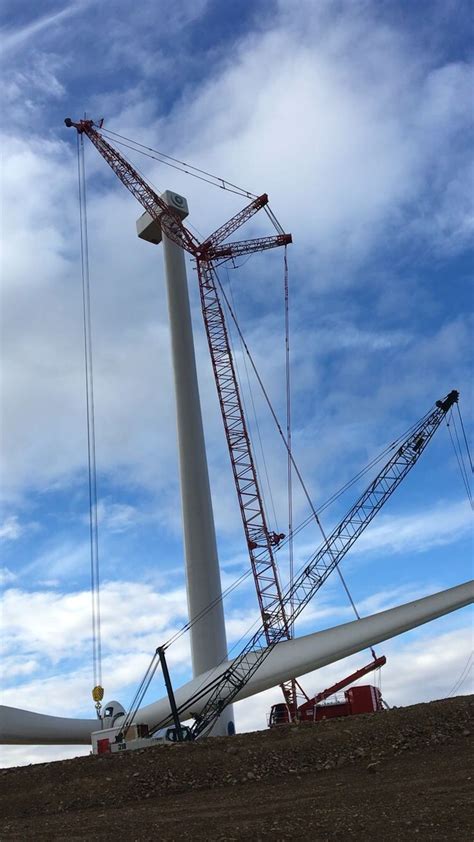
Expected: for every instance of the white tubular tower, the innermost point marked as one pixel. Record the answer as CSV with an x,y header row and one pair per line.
x,y
208,636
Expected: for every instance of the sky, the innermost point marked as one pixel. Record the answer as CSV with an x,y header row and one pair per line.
x,y
356,119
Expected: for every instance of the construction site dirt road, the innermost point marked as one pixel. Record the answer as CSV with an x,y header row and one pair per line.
x,y
403,773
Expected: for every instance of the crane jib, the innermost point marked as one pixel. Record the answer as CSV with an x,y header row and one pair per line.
x,y
224,688
260,539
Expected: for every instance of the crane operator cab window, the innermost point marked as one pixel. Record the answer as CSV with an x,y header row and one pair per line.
x,y
172,736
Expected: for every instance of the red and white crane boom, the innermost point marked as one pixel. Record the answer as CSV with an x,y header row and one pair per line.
x,y
260,539
349,679
280,714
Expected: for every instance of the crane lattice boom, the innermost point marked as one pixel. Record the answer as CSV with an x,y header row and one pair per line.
x,y
260,539
226,686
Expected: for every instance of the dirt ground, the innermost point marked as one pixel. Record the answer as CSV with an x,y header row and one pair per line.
x,y
403,773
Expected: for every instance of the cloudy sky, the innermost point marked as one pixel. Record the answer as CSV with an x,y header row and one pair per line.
x,y
356,118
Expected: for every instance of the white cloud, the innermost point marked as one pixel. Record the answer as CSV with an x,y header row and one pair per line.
x,y
14,38
42,694
18,665
118,517
24,755
410,534
6,576
417,532
343,139
64,559
10,529
133,617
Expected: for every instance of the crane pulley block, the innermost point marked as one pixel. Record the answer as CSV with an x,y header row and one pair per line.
x,y
97,693
449,401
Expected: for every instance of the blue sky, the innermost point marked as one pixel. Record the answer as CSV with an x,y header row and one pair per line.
x,y
355,117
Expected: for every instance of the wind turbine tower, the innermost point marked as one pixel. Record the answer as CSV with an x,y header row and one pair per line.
x,y
203,583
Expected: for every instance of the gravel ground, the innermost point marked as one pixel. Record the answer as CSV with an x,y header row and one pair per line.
x,y
403,773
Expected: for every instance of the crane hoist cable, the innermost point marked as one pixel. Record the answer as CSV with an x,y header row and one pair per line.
x,y
97,691
254,410
459,448
451,421
291,460
289,467
468,451
314,512
460,451
351,482
188,169
463,676
176,164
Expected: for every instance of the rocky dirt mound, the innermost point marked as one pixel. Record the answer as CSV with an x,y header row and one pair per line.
x,y
404,772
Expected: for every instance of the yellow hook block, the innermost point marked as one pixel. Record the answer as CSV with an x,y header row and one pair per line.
x,y
98,693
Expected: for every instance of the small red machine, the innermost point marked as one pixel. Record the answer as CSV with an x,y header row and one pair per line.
x,y
360,699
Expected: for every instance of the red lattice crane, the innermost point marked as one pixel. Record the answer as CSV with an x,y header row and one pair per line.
x,y
261,540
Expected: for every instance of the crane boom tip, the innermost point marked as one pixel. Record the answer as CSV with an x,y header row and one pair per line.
x,y
449,400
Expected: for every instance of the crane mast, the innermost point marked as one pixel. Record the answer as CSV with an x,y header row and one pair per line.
x,y
260,539
222,690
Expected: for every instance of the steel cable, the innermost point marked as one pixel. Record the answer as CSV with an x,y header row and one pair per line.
x,y
465,439
315,514
459,458
182,166
463,676
289,467
90,419
257,426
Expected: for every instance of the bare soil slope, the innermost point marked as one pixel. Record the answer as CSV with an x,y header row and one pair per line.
x,y
404,773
